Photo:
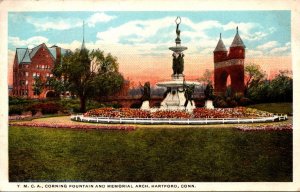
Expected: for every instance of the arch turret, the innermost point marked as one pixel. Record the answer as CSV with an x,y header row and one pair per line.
x,y
220,52
237,48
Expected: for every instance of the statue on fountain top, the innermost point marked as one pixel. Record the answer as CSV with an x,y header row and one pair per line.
x,y
178,40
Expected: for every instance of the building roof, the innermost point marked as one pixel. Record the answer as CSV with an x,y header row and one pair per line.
x,y
237,41
220,46
24,55
20,54
34,50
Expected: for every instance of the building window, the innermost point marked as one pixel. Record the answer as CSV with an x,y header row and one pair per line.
x,y
42,67
51,75
26,82
27,74
34,75
38,74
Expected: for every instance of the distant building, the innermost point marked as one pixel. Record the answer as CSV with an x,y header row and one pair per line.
x,y
229,65
10,88
32,63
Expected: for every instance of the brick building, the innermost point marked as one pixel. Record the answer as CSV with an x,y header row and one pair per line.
x,y
30,64
229,65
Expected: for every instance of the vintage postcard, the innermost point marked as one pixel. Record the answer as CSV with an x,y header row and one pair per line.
x,y
149,95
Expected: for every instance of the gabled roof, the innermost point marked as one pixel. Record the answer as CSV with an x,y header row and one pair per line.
x,y
220,46
237,41
20,54
24,55
53,51
34,50
26,58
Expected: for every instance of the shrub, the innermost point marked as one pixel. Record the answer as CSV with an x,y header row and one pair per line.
x,y
244,101
45,108
15,109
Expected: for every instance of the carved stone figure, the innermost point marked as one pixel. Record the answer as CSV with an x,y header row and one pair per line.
x,y
146,91
178,63
208,92
189,91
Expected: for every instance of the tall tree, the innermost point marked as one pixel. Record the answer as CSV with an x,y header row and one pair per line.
x,y
86,74
38,85
254,75
206,77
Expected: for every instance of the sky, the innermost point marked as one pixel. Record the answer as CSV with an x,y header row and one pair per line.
x,y
140,40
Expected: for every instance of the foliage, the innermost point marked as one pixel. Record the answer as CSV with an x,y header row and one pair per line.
x,y
253,75
166,155
16,109
87,75
280,89
45,108
206,77
38,85
108,83
19,100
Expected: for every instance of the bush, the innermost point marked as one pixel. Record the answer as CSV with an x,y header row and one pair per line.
x,y
244,101
16,109
45,108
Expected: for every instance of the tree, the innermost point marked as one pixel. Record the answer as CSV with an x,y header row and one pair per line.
x,y
87,74
253,75
206,77
281,87
38,85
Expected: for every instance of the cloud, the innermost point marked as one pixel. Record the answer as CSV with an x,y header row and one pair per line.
x,y
243,27
254,53
50,23
268,45
30,42
160,33
283,50
136,31
99,18
58,23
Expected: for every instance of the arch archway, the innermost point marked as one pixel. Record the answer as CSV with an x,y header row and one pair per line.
x,y
51,94
229,76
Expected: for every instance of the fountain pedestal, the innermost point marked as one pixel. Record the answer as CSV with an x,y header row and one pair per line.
x,y
175,98
179,91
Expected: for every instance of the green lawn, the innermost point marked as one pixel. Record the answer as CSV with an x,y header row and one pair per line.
x,y
44,154
286,108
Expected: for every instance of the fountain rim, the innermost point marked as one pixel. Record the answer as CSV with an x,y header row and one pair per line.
x,y
177,83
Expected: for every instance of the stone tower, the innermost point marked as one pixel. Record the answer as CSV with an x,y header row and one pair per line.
x,y
229,64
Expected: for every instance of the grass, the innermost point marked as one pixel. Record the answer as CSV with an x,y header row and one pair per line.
x,y
286,108
44,154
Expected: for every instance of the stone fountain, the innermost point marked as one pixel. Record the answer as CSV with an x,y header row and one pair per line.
x,y
179,92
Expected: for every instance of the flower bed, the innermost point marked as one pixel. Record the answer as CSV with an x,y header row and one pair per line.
x,y
238,112
73,126
117,113
171,114
280,127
